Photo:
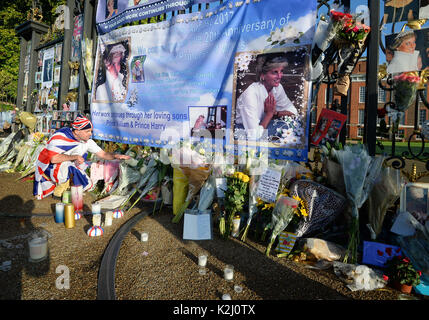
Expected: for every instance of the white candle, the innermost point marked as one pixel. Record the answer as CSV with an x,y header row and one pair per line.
x,y
96,208
38,248
108,218
202,260
228,272
226,296
96,219
144,236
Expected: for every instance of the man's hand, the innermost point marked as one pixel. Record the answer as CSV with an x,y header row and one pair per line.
x,y
79,160
122,156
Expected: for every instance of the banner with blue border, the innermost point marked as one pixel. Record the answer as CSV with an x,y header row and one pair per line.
x,y
206,72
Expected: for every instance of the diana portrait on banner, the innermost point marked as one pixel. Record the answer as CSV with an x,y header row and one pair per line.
x,y
269,94
112,75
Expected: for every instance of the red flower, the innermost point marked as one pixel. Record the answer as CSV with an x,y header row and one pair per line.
x,y
355,29
406,260
419,273
385,278
381,113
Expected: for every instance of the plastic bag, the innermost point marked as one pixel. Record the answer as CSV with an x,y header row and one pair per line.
x,y
321,249
359,277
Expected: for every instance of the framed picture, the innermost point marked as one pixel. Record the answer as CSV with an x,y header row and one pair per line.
x,y
328,127
414,199
38,78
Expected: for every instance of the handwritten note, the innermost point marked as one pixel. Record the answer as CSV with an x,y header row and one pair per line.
x,y
197,225
268,185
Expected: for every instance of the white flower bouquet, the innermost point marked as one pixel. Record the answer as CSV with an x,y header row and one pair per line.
x,y
360,173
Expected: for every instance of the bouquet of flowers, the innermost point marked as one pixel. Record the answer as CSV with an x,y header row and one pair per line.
x,y
282,215
236,196
405,89
360,173
194,165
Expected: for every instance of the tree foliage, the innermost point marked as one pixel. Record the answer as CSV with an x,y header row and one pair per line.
x,y
12,14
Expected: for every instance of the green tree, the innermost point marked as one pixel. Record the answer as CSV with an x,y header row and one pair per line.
x,y
12,14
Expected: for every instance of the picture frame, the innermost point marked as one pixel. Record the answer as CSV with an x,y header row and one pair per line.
x,y
328,127
414,199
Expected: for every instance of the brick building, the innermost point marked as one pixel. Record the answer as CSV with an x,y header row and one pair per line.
x,y
356,106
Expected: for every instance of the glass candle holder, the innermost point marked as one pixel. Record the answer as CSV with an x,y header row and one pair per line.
x,y
228,272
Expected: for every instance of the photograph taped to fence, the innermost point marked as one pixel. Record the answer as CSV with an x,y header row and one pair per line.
x,y
190,61
407,50
111,83
270,100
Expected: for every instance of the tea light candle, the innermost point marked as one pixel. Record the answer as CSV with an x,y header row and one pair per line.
x,y
228,272
96,219
38,248
108,218
59,212
96,208
66,196
144,236
226,296
202,260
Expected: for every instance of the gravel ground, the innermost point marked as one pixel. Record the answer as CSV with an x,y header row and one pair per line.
x,y
164,268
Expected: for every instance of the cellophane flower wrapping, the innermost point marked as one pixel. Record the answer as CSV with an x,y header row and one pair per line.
x,y
282,215
360,171
194,166
384,194
207,194
127,176
405,89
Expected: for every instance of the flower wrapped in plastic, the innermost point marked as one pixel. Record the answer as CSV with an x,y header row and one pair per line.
x,y
384,194
360,172
282,215
207,194
193,165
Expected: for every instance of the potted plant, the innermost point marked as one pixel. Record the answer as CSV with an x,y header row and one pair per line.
x,y
401,274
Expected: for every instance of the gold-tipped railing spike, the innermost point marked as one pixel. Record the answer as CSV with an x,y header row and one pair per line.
x,y
414,176
414,24
424,76
382,71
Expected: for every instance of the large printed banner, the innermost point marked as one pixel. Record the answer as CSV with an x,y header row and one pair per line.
x,y
240,73
113,13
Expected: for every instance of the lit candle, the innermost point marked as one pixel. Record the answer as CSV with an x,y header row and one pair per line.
x,y
202,260
228,272
96,219
144,236
38,249
66,196
59,212
96,208
108,218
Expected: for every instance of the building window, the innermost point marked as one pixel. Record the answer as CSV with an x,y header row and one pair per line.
x,y
422,116
361,121
381,95
362,91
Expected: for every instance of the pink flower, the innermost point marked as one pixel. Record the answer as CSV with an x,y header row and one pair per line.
x,y
406,260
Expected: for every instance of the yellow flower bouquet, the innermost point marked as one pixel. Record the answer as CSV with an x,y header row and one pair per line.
x,y
236,196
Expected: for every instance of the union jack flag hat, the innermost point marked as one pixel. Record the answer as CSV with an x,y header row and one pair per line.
x,y
81,123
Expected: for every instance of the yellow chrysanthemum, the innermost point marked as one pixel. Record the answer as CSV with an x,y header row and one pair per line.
x,y
245,178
